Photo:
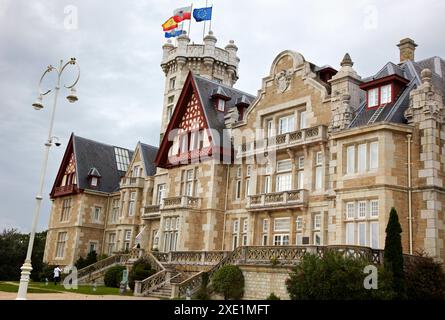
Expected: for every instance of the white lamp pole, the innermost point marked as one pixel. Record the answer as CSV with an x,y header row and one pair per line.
x,y
38,105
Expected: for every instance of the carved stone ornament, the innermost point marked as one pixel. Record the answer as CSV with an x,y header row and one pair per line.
x,y
282,80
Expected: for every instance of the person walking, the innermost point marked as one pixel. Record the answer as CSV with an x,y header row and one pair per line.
x,y
57,272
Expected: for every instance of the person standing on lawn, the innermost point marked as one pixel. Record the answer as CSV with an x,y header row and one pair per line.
x,y
57,272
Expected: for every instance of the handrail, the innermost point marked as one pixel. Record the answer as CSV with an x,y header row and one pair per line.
x,y
118,258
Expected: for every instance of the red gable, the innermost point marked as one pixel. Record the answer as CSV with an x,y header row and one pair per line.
x,y
66,180
186,137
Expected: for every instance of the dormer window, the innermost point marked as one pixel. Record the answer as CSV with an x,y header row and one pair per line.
x,y
385,94
94,181
373,97
93,177
221,105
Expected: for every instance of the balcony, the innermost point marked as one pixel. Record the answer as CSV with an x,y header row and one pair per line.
x,y
65,190
151,212
137,182
278,200
284,141
183,202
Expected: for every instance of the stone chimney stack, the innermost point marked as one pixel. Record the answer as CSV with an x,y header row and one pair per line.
x,y
407,48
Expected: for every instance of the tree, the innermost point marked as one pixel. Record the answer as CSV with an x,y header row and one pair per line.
x,y
393,255
141,270
334,277
229,281
13,247
91,258
80,263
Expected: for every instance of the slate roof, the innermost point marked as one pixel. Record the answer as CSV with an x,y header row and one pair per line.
x,y
148,155
101,157
206,88
394,112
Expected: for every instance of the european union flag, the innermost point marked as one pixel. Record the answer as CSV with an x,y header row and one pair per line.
x,y
202,14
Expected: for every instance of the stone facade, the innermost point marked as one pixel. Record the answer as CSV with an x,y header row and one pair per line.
x,y
324,182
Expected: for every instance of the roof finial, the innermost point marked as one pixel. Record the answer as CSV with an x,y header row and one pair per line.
x,y
347,61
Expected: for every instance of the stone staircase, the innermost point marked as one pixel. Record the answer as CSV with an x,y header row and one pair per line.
x,y
95,273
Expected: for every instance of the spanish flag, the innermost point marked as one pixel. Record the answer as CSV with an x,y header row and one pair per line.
x,y
170,24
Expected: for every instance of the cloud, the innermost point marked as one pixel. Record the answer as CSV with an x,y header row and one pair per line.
x,y
118,46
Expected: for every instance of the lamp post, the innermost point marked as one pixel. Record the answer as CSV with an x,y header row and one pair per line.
x,y
38,105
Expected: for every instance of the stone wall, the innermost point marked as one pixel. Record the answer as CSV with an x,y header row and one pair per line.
x,y
260,282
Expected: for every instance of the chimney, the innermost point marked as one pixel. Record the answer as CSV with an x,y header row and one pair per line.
x,y
407,48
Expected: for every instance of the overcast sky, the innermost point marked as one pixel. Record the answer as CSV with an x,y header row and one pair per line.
x,y
118,47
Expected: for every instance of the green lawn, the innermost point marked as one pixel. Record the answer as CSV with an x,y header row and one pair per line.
x,y
41,287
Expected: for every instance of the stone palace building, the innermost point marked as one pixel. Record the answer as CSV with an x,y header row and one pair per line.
x,y
318,157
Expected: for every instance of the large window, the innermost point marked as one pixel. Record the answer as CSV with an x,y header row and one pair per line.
x,y
60,245
96,214
303,124
284,176
111,243
374,155
379,96
286,124
361,225
189,182
319,171
161,193
115,211
267,184
362,157
122,159
300,173
66,208
281,239
171,233
265,237
132,204
281,224
350,159
385,94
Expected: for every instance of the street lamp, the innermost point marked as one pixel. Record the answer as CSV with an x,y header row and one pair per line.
x,y
38,105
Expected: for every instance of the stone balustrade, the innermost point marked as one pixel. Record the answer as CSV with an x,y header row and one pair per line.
x,y
182,202
284,141
277,200
132,182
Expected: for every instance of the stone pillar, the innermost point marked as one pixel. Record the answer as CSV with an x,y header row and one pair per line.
x,y
345,95
426,113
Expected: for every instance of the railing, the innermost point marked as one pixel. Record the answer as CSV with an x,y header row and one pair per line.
x,y
102,264
183,202
132,182
202,258
60,191
277,199
284,141
282,255
155,281
151,212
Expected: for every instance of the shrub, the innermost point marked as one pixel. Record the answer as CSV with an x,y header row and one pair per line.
x,y
229,281
113,276
47,272
141,270
425,279
91,258
334,277
393,255
80,263
272,296
203,292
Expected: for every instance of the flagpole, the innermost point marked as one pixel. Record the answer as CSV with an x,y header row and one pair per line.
x,y
210,27
205,23
190,21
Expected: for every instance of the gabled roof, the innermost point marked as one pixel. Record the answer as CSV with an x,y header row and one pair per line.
x,y
204,90
92,156
394,112
148,154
